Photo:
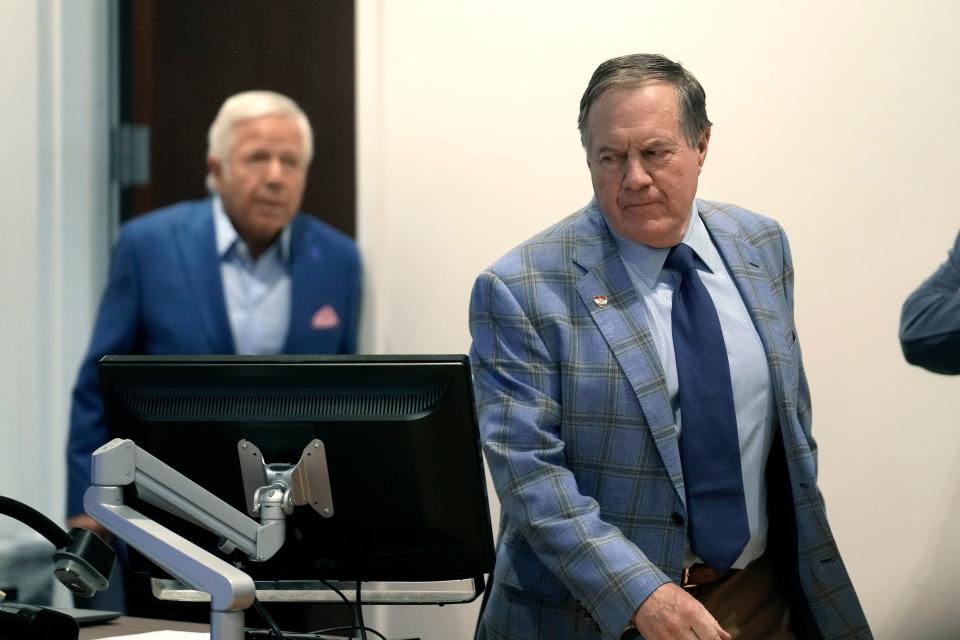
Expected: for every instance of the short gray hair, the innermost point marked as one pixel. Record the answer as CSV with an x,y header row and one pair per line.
x,y
638,69
248,105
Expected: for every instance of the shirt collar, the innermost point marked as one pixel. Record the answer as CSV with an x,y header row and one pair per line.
x,y
647,262
227,236
698,238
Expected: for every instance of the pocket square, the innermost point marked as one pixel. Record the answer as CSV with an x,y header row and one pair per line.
x,y
325,318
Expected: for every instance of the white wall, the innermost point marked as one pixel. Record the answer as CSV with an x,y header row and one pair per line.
x,y
836,118
53,212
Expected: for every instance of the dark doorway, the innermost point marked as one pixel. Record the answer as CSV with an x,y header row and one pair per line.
x,y
179,59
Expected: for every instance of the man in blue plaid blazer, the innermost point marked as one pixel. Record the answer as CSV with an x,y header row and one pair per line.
x,y
577,395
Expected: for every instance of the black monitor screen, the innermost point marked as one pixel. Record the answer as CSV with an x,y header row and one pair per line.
x,y
401,441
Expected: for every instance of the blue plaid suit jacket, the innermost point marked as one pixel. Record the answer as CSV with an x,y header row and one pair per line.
x,y
580,439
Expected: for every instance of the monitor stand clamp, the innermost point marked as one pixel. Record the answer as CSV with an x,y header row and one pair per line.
x,y
306,482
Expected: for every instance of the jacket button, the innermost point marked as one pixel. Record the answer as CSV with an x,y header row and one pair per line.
x,y
678,519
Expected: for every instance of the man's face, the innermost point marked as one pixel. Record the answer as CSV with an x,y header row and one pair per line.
x,y
643,171
261,181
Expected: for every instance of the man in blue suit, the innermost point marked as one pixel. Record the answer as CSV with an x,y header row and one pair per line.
x,y
241,272
930,319
597,430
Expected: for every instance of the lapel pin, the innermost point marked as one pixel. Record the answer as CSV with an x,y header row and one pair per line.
x,y
600,301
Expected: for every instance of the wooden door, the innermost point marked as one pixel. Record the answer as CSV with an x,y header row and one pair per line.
x,y
180,59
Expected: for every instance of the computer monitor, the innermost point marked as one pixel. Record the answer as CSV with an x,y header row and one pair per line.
x,y
401,441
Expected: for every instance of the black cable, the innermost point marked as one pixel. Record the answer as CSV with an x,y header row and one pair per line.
x,y
274,629
340,593
288,635
36,521
346,601
359,602
309,635
353,616
358,623
486,596
345,627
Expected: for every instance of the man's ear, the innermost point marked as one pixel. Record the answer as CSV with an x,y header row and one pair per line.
x,y
215,168
702,145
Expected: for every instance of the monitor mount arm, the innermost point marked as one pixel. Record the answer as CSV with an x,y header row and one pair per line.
x,y
121,462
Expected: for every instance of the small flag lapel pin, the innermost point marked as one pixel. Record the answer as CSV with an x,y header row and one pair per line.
x,y
600,301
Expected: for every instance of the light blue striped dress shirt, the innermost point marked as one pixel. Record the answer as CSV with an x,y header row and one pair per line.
x,y
749,373
257,292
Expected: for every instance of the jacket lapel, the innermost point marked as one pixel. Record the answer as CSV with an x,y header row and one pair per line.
x,y
307,291
197,245
623,322
754,282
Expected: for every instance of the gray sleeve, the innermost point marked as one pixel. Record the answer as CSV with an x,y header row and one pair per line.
x,y
930,319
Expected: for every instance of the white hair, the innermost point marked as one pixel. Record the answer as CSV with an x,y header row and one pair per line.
x,y
248,105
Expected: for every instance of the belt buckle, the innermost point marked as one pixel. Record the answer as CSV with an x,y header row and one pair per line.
x,y
689,577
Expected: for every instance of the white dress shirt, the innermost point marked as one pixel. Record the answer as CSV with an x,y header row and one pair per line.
x,y
257,292
749,372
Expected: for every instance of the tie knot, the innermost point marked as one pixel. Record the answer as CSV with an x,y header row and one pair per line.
x,y
682,258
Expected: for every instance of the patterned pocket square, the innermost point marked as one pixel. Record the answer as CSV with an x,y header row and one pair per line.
x,y
325,318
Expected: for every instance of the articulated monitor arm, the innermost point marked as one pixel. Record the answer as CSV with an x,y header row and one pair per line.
x,y
121,462
273,490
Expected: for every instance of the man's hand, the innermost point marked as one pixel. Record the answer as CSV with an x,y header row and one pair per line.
x,y
670,613
84,521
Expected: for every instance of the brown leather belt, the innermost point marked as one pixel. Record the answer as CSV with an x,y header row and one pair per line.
x,y
700,574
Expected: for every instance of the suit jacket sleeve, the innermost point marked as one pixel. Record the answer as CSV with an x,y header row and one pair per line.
x,y
115,332
519,403
930,319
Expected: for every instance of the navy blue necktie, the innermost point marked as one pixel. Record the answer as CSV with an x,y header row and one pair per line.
x,y
709,445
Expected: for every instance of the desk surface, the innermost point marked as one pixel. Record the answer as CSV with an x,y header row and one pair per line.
x,y
127,626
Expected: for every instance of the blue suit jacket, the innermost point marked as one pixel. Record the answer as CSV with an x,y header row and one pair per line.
x,y
930,319
164,296
580,437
